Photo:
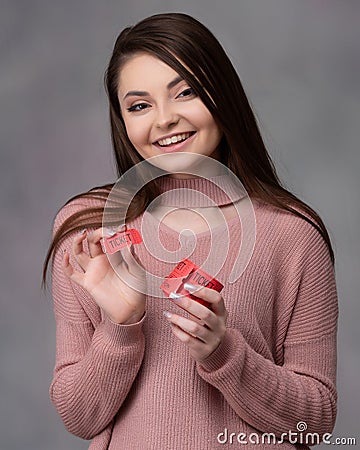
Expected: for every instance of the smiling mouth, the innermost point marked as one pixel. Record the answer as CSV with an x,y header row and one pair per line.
x,y
181,137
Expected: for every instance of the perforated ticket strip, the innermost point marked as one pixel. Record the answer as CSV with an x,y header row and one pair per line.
x,y
188,272
120,240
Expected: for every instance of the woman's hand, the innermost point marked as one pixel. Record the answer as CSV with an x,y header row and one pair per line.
x,y
118,288
204,332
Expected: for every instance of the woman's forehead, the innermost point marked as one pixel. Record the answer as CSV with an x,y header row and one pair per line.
x,y
145,70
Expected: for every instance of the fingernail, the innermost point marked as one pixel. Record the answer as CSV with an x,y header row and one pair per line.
x,y
83,231
167,314
175,296
110,232
190,287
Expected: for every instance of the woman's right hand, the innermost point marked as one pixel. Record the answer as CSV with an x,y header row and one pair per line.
x,y
117,288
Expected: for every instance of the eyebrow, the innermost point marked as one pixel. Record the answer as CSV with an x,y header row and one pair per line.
x,y
170,85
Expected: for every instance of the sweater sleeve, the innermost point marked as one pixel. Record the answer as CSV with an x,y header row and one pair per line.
x,y
275,398
96,359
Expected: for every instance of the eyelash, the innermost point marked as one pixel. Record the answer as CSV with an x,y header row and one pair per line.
x,y
189,90
134,108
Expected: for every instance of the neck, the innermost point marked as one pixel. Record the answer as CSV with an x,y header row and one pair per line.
x,y
199,192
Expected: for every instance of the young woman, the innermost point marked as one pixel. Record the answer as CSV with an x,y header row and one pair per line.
x,y
140,370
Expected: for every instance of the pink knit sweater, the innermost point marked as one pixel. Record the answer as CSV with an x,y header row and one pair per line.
x,y
136,387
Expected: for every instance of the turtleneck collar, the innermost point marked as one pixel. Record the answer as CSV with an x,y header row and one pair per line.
x,y
199,192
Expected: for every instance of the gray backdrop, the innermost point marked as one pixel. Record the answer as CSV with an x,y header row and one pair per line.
x,y
299,62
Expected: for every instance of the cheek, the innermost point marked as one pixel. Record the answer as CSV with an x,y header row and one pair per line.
x,y
210,124
212,127
136,132
212,130
202,118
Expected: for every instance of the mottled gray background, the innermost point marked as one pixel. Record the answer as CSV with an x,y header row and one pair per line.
x,y
299,62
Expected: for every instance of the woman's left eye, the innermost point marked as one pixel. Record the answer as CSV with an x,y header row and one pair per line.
x,y
187,92
138,107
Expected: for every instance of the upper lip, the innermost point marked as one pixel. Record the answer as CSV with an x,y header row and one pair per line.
x,y
172,134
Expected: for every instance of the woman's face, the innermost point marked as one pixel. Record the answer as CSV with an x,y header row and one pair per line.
x,y
162,114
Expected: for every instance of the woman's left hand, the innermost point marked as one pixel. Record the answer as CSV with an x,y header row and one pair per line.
x,y
204,332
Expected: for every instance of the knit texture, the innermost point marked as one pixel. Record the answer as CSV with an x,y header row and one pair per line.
x,y
136,386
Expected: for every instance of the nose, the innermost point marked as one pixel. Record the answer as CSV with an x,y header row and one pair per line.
x,y
166,116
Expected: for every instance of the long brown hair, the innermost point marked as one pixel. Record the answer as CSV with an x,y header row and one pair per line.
x,y
189,48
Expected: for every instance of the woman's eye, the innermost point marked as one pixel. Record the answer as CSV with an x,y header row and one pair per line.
x,y
187,92
138,107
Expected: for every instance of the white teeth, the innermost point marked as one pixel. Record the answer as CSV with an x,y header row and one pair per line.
x,y
174,139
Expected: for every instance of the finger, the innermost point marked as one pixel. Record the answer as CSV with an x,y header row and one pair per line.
x,y
189,326
136,258
184,337
95,244
81,257
133,276
117,261
94,239
197,347
197,310
134,266
69,271
209,295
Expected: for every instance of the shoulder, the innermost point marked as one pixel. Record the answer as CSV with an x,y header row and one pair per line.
x,y
81,204
289,232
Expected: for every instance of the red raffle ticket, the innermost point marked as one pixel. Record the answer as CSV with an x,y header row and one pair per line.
x,y
120,240
188,272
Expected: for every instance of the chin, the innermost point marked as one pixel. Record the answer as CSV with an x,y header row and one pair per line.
x,y
185,164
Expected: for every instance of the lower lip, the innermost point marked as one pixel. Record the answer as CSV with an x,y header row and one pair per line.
x,y
175,147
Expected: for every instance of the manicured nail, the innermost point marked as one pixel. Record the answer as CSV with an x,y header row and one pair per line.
x,y
167,314
175,296
190,287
